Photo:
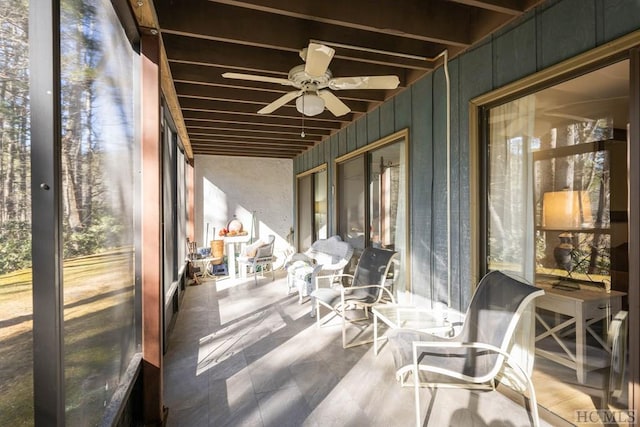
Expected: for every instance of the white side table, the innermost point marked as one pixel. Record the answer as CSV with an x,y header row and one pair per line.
x,y
583,307
404,316
206,263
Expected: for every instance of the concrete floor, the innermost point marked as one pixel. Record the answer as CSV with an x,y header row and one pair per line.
x,y
247,355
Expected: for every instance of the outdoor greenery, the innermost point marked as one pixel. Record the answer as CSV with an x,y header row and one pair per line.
x,y
15,172
88,223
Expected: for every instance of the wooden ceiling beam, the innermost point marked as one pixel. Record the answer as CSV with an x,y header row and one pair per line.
x,y
255,119
248,149
243,127
221,143
213,145
434,21
507,7
232,125
249,154
254,136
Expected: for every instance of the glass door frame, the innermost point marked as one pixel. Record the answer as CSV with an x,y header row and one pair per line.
x,y
400,136
314,233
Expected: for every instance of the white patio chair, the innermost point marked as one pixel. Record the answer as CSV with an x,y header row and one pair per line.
x,y
478,353
365,288
325,257
263,258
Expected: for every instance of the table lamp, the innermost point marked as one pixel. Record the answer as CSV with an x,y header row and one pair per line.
x,y
566,211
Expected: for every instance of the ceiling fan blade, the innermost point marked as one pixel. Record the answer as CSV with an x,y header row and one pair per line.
x,y
255,78
318,58
333,104
365,82
280,102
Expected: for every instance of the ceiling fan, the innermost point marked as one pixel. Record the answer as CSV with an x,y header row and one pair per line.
x,y
313,79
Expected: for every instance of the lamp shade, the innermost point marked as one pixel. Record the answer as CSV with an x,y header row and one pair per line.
x,y
310,104
566,210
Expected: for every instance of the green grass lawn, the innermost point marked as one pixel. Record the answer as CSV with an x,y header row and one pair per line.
x,y
98,336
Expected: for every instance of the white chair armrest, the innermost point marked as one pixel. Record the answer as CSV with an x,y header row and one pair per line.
x,y
330,278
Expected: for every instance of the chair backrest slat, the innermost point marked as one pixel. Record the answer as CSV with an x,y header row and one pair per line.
x,y
372,269
492,317
266,250
495,305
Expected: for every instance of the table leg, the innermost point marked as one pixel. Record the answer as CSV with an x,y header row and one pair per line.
x,y
581,349
243,267
375,334
205,267
243,270
231,259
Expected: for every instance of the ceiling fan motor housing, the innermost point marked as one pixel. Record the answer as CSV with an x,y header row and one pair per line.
x,y
302,80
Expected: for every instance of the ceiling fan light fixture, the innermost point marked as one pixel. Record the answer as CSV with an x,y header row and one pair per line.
x,y
310,104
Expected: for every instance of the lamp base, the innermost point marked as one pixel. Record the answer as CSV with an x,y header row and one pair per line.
x,y
563,253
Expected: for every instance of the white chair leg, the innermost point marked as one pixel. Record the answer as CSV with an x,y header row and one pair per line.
x,y
313,303
534,403
416,388
255,274
344,330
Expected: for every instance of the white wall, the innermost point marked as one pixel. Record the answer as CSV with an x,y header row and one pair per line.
x,y
227,186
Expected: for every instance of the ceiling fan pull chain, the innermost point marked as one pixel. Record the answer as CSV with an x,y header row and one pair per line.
x,y
302,135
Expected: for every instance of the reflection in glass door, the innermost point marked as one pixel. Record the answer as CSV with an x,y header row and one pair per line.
x,y
312,207
351,203
320,205
556,212
305,223
372,201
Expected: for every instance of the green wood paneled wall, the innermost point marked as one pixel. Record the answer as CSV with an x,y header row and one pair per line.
x,y
553,32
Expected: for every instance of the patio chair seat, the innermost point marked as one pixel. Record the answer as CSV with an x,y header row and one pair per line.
x,y
446,359
332,296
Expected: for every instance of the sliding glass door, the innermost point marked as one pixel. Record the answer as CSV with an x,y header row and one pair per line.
x,y
557,215
312,207
352,215
372,200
